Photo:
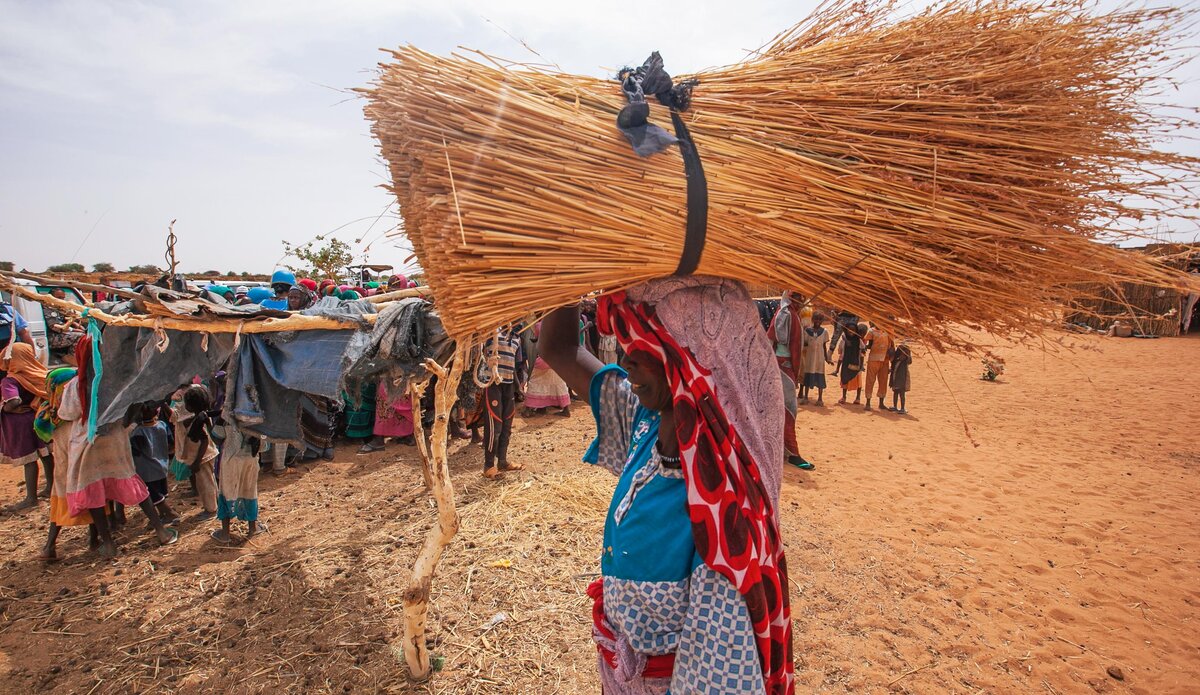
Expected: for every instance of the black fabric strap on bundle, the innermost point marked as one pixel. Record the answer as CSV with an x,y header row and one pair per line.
x,y
648,139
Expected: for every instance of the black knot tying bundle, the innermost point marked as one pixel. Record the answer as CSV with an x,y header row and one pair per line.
x,y
633,120
648,139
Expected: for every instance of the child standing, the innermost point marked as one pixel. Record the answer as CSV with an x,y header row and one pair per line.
x,y
880,345
238,496
901,381
852,359
59,383
195,447
151,443
816,356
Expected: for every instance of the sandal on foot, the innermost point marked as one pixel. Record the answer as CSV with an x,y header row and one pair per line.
x,y
216,536
509,467
174,537
799,462
491,473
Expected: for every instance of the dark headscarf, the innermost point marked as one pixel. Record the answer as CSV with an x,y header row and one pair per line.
x,y
302,295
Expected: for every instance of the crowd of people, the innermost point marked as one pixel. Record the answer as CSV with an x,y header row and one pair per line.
x,y
91,476
287,293
183,436
680,357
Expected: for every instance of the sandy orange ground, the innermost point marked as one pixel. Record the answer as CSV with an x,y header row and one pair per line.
x,y
1063,545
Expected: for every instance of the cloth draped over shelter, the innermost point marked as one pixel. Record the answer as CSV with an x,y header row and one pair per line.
x,y
136,370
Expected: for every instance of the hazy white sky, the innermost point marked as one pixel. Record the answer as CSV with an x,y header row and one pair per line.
x,y
118,116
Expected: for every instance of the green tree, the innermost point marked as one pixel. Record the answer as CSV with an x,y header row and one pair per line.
x,y
246,275
103,268
6,265
145,270
324,260
66,268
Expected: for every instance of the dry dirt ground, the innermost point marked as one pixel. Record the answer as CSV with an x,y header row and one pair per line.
x,y
1057,552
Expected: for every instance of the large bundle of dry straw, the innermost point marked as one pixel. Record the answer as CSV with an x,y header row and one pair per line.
x,y
961,163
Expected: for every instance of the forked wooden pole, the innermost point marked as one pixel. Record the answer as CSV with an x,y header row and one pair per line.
x,y
416,596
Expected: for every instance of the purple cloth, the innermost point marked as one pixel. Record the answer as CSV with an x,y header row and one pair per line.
x,y
18,442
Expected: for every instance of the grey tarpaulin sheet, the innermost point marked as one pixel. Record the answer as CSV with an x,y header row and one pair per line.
x,y
271,373
136,371
406,333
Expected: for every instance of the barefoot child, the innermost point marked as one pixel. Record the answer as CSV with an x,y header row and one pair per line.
x,y
816,356
238,495
196,448
151,444
901,381
879,342
851,361
50,423
499,400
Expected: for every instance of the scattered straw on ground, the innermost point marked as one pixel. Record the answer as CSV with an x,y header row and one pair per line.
x,y
1061,547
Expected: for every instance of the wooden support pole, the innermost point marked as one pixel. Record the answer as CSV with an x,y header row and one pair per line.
x,y
215,324
400,294
416,391
416,596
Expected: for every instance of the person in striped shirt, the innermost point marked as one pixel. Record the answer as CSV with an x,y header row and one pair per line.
x,y
498,369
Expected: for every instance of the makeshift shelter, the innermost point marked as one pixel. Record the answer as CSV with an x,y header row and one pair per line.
x,y
1148,310
275,358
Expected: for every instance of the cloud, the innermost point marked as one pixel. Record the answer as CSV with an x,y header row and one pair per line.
x,y
221,112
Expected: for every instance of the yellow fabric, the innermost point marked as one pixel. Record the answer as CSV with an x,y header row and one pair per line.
x,y
24,366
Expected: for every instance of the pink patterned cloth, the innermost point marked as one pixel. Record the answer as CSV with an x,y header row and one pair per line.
x,y
393,412
708,316
100,470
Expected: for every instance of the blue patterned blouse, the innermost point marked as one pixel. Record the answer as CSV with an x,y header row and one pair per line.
x,y
659,596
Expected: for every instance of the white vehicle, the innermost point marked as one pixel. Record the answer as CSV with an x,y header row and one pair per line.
x,y
32,312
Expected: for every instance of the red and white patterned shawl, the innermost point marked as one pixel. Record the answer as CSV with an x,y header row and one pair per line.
x,y
728,404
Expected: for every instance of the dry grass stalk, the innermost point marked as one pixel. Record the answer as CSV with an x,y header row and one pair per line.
x,y
975,151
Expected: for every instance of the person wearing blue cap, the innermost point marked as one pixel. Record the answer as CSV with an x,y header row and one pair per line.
x,y
281,282
258,295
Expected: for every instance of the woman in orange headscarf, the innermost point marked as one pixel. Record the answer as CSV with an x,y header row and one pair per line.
x,y
22,390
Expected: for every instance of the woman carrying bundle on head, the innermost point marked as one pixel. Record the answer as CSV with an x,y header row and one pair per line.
x,y
694,592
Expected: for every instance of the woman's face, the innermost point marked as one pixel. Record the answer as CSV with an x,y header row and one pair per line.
x,y
648,381
295,299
